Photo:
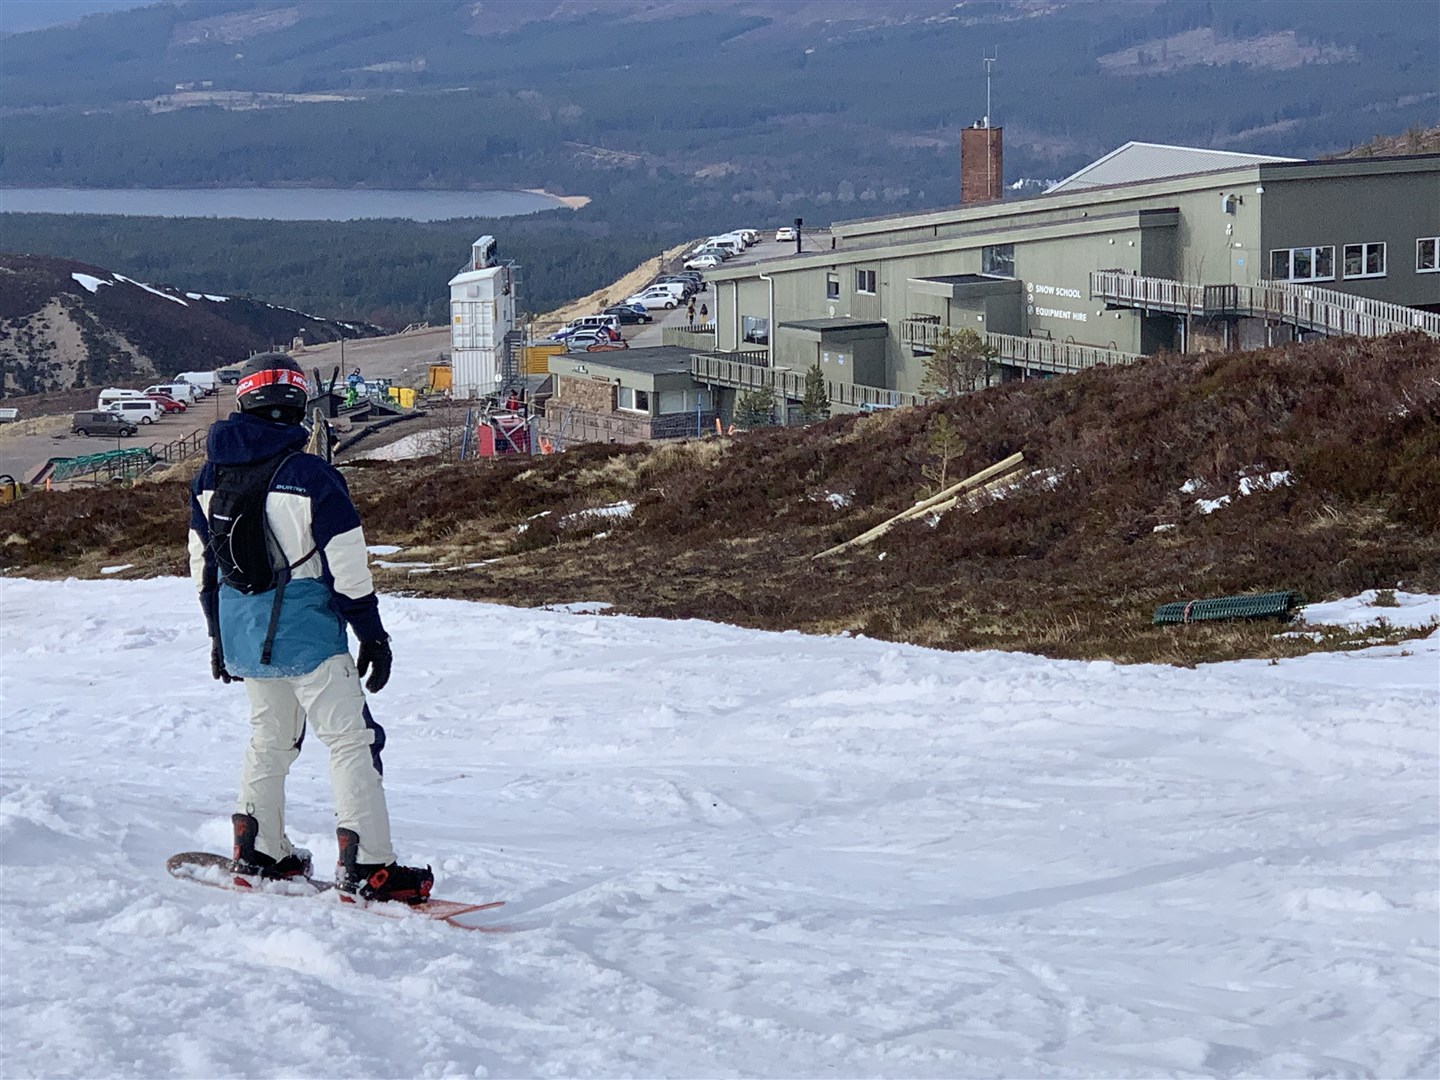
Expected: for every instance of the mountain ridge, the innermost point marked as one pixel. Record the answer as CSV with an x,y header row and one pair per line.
x,y
67,323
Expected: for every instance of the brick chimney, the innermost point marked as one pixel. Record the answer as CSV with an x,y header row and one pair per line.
x,y
982,160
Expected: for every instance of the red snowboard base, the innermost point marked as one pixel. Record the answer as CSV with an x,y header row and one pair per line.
x,y
207,868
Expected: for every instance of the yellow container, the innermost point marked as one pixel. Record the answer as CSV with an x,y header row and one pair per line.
x,y
405,395
439,378
536,358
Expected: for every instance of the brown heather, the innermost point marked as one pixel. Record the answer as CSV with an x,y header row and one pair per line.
x,y
1069,563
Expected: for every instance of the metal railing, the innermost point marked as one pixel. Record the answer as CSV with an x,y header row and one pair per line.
x,y
109,465
1308,307
179,449
700,337
1063,357
720,370
921,331
1035,354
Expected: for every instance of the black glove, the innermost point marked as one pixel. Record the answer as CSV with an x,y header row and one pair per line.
x,y
375,653
217,663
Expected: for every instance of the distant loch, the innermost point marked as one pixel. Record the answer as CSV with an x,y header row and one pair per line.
x,y
282,204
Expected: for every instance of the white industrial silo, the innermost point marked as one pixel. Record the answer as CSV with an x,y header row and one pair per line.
x,y
482,312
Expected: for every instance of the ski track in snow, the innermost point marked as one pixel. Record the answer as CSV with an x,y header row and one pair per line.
x,y
727,853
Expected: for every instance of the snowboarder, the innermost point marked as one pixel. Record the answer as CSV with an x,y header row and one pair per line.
x,y
279,559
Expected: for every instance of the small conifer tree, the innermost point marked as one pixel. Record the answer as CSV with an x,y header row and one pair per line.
x,y
754,408
960,358
944,444
815,405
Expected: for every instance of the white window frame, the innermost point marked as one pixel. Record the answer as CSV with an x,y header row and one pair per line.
x,y
1434,267
1314,261
635,394
1365,259
866,276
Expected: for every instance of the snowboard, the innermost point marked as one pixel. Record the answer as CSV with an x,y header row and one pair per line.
x,y
207,868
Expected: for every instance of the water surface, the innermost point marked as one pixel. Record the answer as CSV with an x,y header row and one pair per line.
x,y
276,204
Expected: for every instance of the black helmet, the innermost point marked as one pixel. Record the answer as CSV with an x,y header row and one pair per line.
x,y
273,387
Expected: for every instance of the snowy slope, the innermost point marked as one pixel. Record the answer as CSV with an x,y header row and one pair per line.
x,y
729,853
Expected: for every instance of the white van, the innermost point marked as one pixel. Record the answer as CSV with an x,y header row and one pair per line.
x,y
181,392
142,411
115,393
733,244
595,322
207,382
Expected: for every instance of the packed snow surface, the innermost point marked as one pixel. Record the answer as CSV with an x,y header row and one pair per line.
x,y
728,853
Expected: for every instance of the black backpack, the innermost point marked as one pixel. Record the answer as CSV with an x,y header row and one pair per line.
x,y
245,552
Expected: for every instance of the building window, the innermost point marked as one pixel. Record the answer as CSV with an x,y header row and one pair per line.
x,y
1364,260
1427,255
632,400
1303,264
865,281
998,259
832,286
755,331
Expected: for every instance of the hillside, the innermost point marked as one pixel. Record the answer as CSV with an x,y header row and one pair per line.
x,y
816,108
65,323
1417,140
1309,468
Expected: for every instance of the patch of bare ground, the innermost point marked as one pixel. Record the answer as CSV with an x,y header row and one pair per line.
x,y
1069,562
1279,50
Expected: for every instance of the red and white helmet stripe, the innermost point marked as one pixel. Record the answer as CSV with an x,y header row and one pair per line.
x,y
272,377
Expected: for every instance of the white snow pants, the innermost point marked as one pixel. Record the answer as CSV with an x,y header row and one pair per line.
x,y
331,701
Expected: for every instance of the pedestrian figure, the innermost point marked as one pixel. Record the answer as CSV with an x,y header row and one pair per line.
x,y
279,558
704,313
691,310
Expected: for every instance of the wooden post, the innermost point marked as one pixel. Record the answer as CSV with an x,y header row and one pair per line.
x,y
1000,470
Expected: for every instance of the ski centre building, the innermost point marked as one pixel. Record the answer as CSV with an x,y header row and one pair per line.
x,y
1150,248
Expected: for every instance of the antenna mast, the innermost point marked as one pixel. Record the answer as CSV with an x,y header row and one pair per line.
x,y
990,62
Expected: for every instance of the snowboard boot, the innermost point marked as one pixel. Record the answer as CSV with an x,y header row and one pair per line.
x,y
374,881
251,863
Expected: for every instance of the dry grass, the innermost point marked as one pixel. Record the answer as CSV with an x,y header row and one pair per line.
x,y
613,293
1072,567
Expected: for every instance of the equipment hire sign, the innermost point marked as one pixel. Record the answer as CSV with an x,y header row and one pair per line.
x,y
1032,290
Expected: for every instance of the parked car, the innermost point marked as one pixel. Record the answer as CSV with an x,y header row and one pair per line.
x,y
695,276
705,262
654,298
596,341
179,391
785,232
629,314
140,411
101,422
208,382
168,404
112,394
230,375
688,288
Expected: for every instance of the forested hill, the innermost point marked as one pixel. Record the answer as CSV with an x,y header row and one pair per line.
x,y
828,107
66,323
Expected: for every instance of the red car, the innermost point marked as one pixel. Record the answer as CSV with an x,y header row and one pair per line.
x,y
169,404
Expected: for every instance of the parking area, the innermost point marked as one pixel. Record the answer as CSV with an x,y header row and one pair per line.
x,y
764,248
27,444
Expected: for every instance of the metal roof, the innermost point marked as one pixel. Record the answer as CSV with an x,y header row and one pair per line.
x,y
652,360
826,326
1137,161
